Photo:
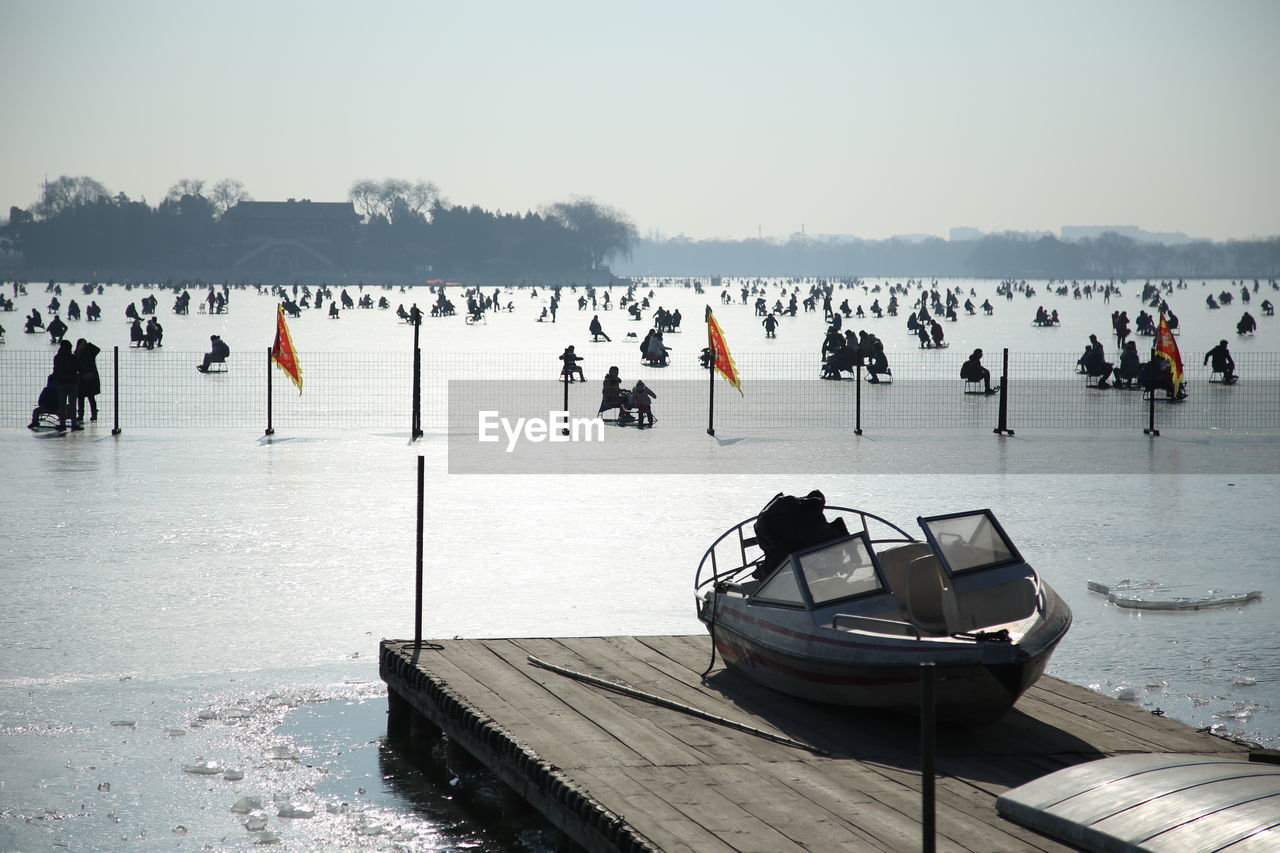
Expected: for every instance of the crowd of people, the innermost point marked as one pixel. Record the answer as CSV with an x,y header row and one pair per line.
x,y
926,308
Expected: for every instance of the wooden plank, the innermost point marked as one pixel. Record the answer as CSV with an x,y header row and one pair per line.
x,y
687,790
629,722
859,794
714,743
535,715
652,816
806,823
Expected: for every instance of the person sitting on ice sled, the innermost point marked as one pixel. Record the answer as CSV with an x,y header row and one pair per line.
x,y
611,394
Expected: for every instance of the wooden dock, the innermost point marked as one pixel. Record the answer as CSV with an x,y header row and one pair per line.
x,y
614,772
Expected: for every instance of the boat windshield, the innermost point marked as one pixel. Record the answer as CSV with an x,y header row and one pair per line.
x,y
969,541
837,570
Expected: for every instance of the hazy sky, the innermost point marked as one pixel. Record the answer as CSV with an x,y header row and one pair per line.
x,y
711,119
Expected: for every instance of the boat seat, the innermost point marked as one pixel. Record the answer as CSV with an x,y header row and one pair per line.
x,y
926,595
994,605
894,562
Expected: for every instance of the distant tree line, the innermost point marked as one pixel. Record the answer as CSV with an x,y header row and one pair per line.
x,y
398,229
406,231
1010,255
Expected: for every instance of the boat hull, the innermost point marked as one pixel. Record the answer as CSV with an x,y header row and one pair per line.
x,y
975,682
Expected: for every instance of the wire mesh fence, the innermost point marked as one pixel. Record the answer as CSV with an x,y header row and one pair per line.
x,y
780,390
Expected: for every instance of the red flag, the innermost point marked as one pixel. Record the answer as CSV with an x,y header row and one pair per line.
x,y
1167,348
720,349
283,353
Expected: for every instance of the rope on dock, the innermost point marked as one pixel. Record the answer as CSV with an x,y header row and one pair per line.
x,y
675,706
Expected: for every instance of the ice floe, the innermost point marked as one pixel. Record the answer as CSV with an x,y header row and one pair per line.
x,y
1152,595
244,805
200,767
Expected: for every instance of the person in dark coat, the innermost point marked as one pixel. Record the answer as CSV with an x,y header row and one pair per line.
x,y
571,367
973,371
597,330
56,329
1095,362
66,371
90,383
1222,362
1130,364
218,352
46,403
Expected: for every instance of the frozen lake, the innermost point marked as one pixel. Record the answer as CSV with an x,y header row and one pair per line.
x,y
223,593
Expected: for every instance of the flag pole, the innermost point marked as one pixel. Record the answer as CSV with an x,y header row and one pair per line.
x,y
415,418
711,378
270,431
1151,402
711,399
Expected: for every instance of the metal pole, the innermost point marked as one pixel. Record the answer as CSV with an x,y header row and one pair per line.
x,y
1151,401
1002,427
415,418
115,390
270,430
857,396
711,399
928,751
564,377
417,593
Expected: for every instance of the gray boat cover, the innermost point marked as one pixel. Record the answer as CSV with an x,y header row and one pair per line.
x,y
1154,802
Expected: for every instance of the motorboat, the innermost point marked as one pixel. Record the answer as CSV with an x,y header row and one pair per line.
x,y
848,610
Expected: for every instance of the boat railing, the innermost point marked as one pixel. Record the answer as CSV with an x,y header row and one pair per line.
x,y
710,571
854,622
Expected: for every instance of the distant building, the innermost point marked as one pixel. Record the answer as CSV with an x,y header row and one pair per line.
x,y
291,238
964,233
1072,233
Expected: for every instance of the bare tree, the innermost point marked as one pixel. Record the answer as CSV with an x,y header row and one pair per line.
x,y
186,186
394,196
364,195
67,192
421,195
226,194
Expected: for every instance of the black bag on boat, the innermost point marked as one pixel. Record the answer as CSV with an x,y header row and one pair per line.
x,y
788,524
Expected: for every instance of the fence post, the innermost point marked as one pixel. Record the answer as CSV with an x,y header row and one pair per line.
x,y
1151,414
415,418
711,395
270,431
115,390
564,377
1002,427
857,397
